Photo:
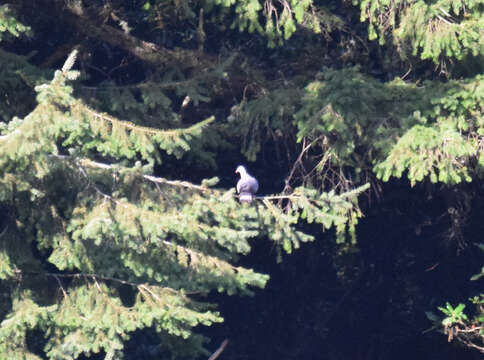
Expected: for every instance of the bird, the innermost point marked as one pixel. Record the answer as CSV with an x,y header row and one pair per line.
x,y
247,186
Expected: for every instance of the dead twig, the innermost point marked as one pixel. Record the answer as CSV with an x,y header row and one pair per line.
x,y
221,348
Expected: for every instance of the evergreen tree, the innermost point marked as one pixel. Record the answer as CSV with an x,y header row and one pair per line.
x,y
105,229
95,247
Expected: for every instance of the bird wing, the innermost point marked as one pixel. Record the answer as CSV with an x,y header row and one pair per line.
x,y
247,184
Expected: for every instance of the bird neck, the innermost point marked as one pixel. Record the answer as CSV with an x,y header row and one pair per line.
x,y
243,172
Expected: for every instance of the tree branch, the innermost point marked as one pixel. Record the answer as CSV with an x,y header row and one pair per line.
x,y
91,163
219,350
143,50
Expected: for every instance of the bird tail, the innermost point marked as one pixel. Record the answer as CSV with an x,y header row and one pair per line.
x,y
246,197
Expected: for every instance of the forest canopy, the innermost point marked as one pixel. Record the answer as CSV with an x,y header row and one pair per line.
x,y
121,123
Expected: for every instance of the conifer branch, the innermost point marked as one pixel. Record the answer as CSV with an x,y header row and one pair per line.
x,y
85,276
144,50
71,59
207,259
159,180
208,262
145,129
279,197
185,184
347,194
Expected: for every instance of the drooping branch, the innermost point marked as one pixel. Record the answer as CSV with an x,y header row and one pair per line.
x,y
143,50
79,275
91,163
95,164
153,131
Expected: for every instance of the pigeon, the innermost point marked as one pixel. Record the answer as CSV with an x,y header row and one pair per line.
x,y
247,186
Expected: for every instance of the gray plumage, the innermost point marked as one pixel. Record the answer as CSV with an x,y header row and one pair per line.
x,y
247,186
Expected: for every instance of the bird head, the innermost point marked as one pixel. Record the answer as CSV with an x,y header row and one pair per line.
x,y
240,170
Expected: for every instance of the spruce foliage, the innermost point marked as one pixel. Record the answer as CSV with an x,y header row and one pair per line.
x,y
433,30
78,188
102,236
9,25
431,131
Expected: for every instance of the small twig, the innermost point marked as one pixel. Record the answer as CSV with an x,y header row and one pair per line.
x,y
298,161
432,267
60,285
221,348
471,330
445,20
278,197
162,194
406,74
471,344
4,231
97,284
144,287
78,275
83,172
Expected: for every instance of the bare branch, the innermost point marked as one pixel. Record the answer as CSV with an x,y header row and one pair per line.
x,y
219,350
90,163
